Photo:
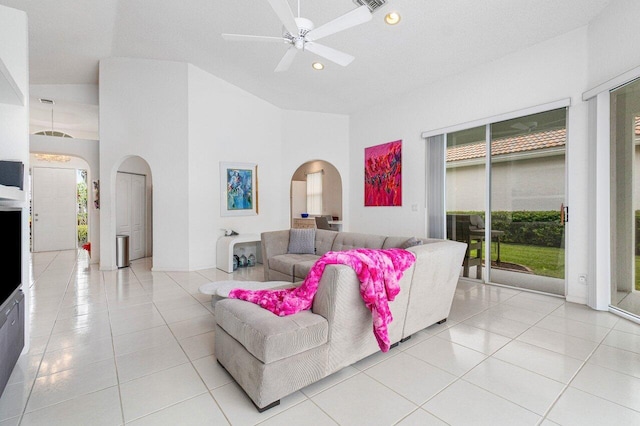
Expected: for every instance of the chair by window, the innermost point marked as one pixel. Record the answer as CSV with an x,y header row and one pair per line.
x,y
323,223
458,229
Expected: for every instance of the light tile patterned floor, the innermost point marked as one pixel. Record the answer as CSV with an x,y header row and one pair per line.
x,y
135,346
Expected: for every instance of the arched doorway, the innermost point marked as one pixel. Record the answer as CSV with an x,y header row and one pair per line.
x,y
331,192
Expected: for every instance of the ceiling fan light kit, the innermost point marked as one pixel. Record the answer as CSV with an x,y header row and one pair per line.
x,y
300,33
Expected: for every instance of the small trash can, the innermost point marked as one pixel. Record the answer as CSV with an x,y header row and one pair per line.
x,y
122,251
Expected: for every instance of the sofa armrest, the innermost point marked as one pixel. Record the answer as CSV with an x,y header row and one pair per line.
x,y
434,281
351,335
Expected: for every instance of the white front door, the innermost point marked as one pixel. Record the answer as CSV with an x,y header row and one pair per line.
x,y
130,211
54,205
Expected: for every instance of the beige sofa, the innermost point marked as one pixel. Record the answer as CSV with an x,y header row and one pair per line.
x,y
271,357
279,265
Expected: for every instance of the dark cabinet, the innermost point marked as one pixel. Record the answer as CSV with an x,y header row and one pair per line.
x,y
11,335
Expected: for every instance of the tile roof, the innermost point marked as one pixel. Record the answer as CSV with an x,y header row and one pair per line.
x,y
522,143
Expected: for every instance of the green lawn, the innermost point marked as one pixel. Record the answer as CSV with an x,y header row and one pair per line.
x,y
544,261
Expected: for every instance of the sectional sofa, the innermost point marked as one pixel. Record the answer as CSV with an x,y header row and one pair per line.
x,y
271,357
280,264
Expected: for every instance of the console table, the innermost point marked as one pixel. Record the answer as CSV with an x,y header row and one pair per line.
x,y
225,246
303,223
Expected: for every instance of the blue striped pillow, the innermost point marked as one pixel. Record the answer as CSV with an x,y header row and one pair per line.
x,y
302,241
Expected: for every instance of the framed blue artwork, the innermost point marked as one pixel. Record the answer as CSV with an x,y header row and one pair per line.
x,y
239,189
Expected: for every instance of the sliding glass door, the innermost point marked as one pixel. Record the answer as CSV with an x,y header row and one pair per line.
x,y
465,195
508,206
625,197
527,201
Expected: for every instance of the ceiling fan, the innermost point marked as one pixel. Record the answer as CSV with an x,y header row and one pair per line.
x,y
300,34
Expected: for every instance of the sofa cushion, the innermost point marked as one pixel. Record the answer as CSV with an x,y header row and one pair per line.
x,y
284,263
267,336
301,269
324,241
302,241
351,240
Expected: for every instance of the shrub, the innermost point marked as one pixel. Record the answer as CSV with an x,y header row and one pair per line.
x,y
82,234
537,228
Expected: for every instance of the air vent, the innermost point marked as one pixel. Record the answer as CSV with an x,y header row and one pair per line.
x,y
46,101
371,4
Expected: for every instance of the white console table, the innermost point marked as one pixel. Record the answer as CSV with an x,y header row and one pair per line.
x,y
225,246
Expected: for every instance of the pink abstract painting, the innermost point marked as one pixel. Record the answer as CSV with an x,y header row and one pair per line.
x,y
383,174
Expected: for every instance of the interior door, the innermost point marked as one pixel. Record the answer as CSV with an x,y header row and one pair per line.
x,y
130,211
54,205
138,223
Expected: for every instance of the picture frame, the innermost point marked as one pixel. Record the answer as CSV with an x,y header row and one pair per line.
x,y
238,189
96,194
383,175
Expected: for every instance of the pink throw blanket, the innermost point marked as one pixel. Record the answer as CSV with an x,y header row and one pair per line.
x,y
379,272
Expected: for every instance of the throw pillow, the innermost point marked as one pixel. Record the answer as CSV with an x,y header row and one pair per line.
x,y
413,241
302,241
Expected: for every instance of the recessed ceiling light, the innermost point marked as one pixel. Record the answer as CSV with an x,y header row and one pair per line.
x,y
317,66
392,18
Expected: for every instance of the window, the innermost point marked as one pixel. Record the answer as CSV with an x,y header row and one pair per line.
x,y
314,193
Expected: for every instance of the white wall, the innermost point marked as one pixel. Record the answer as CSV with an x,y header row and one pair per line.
x,y
143,112
613,42
310,136
229,124
184,122
14,123
553,70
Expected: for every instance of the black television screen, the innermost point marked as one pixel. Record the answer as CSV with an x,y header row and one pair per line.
x,y
11,262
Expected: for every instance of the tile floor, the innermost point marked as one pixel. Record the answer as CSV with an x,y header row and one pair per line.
x,y
136,347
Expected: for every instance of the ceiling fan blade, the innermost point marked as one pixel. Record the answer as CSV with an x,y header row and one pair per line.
x,y
283,10
329,53
286,60
243,37
351,19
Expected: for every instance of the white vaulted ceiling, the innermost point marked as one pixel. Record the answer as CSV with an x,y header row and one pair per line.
x,y
435,38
